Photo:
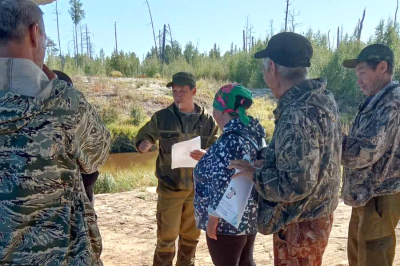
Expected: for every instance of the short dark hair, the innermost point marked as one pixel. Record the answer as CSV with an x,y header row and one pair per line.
x,y
373,64
16,16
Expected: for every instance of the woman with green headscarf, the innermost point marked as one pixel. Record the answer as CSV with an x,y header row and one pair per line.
x,y
241,135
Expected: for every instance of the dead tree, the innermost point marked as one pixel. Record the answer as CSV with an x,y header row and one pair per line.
x,y
338,38
163,44
152,25
244,40
87,42
159,42
116,38
170,34
271,25
395,14
248,35
293,15
80,28
360,27
287,13
58,31
329,40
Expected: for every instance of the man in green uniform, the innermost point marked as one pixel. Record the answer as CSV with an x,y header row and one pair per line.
x,y
182,120
49,134
371,161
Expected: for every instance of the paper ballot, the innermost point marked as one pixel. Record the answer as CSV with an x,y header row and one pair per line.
x,y
232,205
181,153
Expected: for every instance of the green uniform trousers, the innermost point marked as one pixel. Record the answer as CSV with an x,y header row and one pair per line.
x,y
372,238
175,217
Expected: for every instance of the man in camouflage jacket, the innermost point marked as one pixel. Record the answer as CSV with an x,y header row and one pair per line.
x,y
49,134
182,120
371,161
298,179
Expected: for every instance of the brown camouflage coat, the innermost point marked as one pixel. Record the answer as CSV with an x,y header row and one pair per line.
x,y
371,152
301,174
45,215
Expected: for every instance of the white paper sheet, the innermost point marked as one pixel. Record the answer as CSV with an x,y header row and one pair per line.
x,y
181,153
232,205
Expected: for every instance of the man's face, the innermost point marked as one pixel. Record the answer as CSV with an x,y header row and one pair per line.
x,y
270,80
183,94
368,79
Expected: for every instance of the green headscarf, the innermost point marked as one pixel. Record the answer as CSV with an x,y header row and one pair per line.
x,y
234,99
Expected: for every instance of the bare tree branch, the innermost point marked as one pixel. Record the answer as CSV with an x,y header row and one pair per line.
x,y
152,25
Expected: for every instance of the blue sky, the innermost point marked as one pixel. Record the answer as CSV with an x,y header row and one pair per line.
x,y
205,22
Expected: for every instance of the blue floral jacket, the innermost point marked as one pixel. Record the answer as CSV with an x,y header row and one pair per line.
x,y
212,176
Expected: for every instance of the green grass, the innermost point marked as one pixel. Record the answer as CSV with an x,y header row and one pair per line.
x,y
125,180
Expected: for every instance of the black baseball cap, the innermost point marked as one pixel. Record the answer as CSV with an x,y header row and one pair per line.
x,y
288,49
183,79
63,76
374,53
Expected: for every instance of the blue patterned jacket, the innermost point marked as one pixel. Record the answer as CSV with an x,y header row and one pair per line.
x,y
212,176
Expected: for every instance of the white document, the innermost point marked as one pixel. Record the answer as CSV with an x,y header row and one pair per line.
x,y
232,205
181,153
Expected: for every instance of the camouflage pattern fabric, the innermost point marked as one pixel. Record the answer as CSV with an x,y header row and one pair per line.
x,y
300,177
170,126
371,152
45,215
302,244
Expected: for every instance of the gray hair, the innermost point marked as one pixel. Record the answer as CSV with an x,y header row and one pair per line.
x,y
288,73
16,16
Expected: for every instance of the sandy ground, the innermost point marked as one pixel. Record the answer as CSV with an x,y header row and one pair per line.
x,y
128,227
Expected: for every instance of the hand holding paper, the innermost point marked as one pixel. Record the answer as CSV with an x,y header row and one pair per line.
x,y
181,153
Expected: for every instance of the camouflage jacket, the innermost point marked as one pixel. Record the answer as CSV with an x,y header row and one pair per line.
x,y
45,143
170,126
371,152
300,177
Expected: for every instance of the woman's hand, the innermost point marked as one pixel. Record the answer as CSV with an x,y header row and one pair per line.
x,y
197,154
212,227
245,168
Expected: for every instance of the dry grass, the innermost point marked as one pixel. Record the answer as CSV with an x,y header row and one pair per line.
x,y
118,99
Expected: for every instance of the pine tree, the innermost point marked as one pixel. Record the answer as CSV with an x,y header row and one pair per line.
x,y
77,14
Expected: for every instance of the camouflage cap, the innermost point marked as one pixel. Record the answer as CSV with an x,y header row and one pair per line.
x,y
374,53
183,79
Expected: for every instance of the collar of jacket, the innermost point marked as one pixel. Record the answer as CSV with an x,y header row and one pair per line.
x,y
199,110
379,96
296,93
22,77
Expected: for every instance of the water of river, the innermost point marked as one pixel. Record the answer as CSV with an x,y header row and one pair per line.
x,y
129,161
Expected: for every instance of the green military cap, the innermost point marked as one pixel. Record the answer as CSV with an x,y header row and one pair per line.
x,y
375,53
183,79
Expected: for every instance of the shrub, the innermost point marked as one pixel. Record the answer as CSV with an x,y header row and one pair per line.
x,y
116,74
138,115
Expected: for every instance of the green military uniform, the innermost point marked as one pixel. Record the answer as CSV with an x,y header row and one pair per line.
x,y
175,210
49,133
371,178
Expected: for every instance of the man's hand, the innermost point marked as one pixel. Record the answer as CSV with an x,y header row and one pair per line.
x,y
245,168
212,227
50,74
144,146
197,154
259,163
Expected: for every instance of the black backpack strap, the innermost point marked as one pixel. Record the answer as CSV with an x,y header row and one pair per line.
x,y
258,146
